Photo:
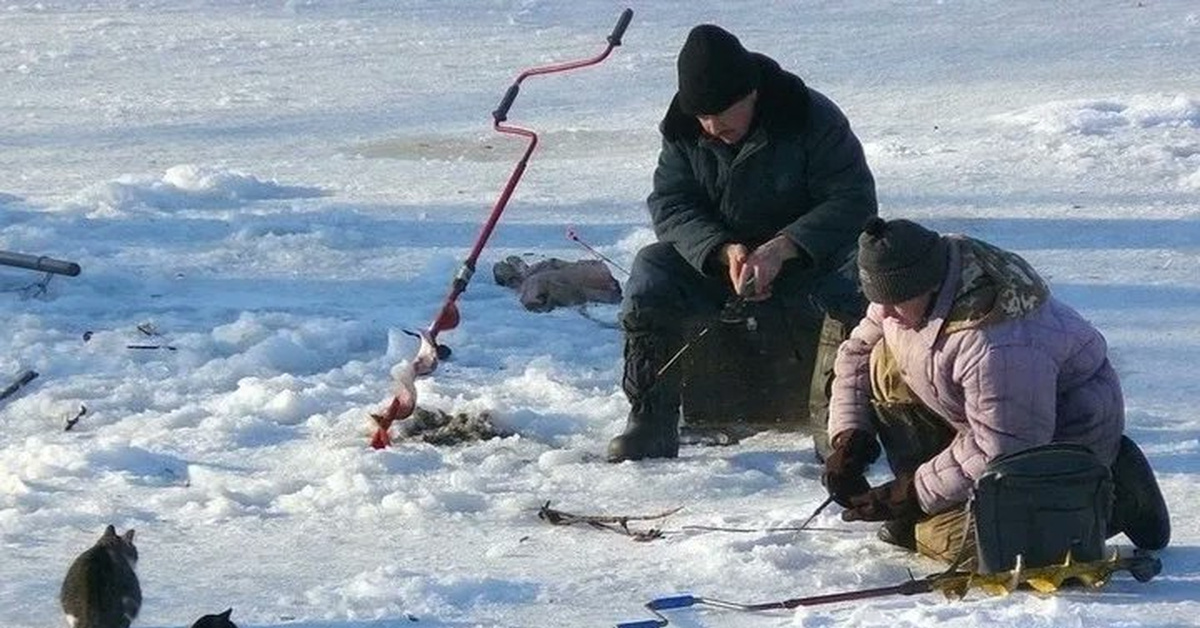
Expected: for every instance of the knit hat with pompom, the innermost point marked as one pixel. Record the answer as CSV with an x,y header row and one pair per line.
x,y
899,260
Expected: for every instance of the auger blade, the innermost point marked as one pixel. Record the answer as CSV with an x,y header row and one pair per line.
x,y
1044,585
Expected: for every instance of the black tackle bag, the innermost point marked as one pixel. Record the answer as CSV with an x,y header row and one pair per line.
x,y
1042,503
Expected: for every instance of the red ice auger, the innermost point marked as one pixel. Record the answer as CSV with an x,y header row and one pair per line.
x,y
429,351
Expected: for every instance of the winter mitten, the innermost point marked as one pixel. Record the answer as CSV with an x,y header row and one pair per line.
x,y
853,452
895,500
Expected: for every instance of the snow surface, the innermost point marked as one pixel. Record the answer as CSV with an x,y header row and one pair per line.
x,y
278,188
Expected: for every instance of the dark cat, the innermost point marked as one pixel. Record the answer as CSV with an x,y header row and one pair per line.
x,y
101,590
216,621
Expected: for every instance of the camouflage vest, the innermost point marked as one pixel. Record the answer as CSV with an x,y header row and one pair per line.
x,y
997,285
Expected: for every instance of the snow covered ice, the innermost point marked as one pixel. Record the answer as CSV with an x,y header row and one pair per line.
x,y
276,189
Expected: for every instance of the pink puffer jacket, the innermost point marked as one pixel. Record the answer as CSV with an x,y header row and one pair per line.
x,y
1003,386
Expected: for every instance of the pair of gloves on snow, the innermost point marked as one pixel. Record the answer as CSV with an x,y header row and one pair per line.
x,y
555,283
845,478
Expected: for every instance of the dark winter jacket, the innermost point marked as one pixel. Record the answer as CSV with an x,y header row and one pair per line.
x,y
800,171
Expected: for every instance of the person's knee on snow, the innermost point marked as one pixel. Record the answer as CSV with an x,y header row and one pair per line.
x,y
975,337
1139,510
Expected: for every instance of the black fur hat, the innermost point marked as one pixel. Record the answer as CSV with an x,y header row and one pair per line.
x,y
715,71
899,260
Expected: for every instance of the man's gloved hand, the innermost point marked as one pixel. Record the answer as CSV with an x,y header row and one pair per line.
x,y
895,500
853,451
762,265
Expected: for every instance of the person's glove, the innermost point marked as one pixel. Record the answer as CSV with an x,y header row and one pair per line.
x,y
853,452
763,264
894,500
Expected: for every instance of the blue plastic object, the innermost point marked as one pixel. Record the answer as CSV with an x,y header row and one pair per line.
x,y
667,603
661,604
644,623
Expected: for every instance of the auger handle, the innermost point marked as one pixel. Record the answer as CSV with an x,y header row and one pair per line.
x,y
619,30
501,112
39,263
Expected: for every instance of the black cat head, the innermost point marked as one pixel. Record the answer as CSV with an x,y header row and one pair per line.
x,y
120,544
221,620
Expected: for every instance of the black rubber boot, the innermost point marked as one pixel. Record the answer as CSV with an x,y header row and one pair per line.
x,y
899,532
642,440
652,429
1139,509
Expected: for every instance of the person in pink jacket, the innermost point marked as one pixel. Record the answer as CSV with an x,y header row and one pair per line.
x,y
964,357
